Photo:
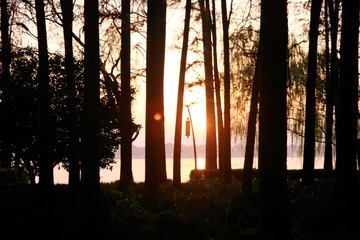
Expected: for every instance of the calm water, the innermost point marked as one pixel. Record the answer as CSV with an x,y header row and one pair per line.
x,y
187,164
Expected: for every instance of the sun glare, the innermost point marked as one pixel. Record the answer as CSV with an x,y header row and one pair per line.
x,y
200,163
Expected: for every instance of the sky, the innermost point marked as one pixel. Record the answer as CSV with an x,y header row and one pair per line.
x,y
174,28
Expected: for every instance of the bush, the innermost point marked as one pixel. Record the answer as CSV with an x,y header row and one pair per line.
x,y
13,176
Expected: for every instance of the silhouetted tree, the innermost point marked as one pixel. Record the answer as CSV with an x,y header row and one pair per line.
x,y
227,122
219,117
46,178
155,166
74,133
273,209
210,153
251,130
126,131
331,83
91,137
347,182
6,123
309,145
180,100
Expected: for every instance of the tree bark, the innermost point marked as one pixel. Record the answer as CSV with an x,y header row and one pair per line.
x,y
46,179
309,145
6,125
180,100
250,137
274,204
155,166
126,131
91,138
220,125
347,185
210,152
74,161
227,133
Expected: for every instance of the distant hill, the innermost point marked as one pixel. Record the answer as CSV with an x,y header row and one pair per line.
x,y
187,151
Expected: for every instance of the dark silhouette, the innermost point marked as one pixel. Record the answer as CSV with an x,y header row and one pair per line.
x,y
309,145
250,137
210,161
46,178
273,222
227,122
331,83
180,100
219,117
74,129
347,182
155,166
126,132
5,118
90,181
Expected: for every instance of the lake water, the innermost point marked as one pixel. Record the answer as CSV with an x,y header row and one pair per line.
x,y
187,164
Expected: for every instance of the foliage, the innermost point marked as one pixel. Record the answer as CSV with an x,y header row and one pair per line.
x,y
13,176
25,114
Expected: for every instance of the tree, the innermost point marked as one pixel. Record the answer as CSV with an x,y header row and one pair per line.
x,y
250,137
331,82
309,146
346,110
74,160
210,153
227,121
180,100
6,125
46,179
155,170
126,131
220,125
91,137
273,209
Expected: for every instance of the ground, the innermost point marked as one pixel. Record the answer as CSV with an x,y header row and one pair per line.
x,y
198,210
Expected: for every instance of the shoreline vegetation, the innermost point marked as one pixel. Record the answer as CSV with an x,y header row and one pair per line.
x,y
202,209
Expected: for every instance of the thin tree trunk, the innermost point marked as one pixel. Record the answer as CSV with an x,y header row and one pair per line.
x,y
46,179
309,145
74,166
220,125
210,152
250,137
6,125
329,100
273,210
155,166
126,131
180,100
227,134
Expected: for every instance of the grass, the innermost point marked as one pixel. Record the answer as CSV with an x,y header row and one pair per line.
x,y
198,210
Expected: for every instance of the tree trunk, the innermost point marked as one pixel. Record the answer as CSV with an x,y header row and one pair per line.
x,y
126,131
250,137
74,164
180,100
46,179
309,146
220,125
334,19
273,209
347,185
155,166
91,139
6,125
210,152
227,135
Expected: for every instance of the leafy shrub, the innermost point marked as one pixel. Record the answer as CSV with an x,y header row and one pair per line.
x,y
13,176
